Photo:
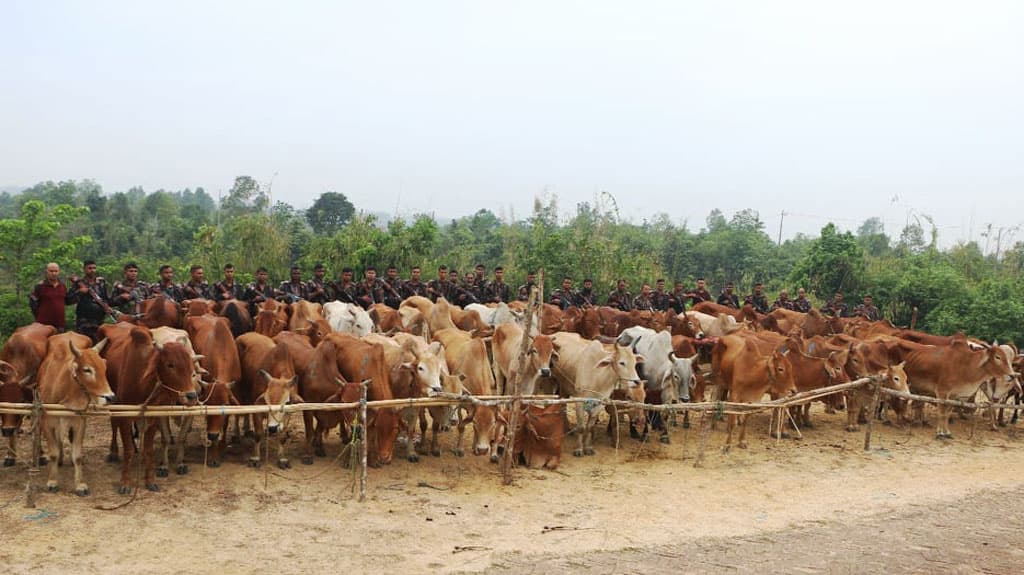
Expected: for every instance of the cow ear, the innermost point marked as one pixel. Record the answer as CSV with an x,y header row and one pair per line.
x,y
605,361
901,364
408,366
294,381
265,375
7,370
640,358
435,348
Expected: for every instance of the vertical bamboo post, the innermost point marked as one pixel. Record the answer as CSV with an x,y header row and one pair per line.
x,y
871,414
533,306
37,449
364,440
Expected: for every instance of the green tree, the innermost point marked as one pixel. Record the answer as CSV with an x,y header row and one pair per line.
x,y
834,262
329,213
29,241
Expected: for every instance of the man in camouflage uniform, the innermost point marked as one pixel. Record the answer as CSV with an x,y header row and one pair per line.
x,y
677,299
317,289
439,287
643,302
758,299
345,289
392,288
783,302
699,294
479,282
836,307
524,290
127,293
660,299
466,290
619,298
728,298
294,289
89,296
564,297
414,286
497,290
196,288
370,290
867,310
259,290
801,303
166,285
228,288
586,295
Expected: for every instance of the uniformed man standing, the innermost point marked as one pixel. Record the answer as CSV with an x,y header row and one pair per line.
x,y
525,289
643,302
677,299
259,290
317,290
479,282
166,285
728,298
564,297
836,306
783,302
345,289
867,310
127,293
587,296
89,296
294,289
228,288
497,290
758,299
801,303
392,288
196,288
414,286
467,291
660,299
370,290
700,294
439,287
619,298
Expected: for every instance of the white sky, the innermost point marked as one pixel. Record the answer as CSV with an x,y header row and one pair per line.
x,y
822,109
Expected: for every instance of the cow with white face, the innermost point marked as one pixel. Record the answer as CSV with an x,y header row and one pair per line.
x,y
668,378
348,318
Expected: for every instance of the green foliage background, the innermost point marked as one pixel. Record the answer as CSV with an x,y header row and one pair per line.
x,y
960,289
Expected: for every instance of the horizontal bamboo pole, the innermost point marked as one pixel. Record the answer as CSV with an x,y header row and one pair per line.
x,y
950,402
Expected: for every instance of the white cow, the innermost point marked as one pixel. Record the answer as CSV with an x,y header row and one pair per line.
x,y
348,318
663,369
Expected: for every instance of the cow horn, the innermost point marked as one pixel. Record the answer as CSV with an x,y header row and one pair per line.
x,y
341,382
265,374
25,381
74,350
197,358
98,348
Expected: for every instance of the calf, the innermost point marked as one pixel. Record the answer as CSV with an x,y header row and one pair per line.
x,y
22,355
506,344
268,378
745,374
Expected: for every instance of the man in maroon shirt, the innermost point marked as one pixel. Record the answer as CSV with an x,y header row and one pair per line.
x,y
48,298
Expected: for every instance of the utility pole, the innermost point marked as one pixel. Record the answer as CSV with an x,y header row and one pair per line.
x,y
782,217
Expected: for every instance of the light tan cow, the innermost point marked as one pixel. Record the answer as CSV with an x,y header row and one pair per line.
x,y
467,356
75,376
507,341
585,369
303,312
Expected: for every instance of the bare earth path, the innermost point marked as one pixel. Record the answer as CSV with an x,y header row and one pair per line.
x,y
817,505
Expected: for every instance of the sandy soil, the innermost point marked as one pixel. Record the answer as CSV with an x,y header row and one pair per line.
x,y
641,508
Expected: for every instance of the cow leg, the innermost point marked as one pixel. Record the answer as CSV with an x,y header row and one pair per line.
x,y
578,452
186,426
112,456
12,448
125,427
165,441
435,428
499,380
147,456
409,420
943,423
852,410
728,428
742,440
588,433
805,417
461,432
78,429
53,438
282,461
257,440
307,426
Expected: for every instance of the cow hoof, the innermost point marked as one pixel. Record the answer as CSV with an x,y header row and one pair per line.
x,y
588,451
494,458
635,434
213,463
726,449
808,424
52,487
249,434
82,491
941,435
307,460
8,462
124,490
182,469
413,458
254,462
446,428
284,464
742,445
577,452
686,425
113,458
162,472
459,452
43,462
665,439
152,487
852,428
320,452
435,452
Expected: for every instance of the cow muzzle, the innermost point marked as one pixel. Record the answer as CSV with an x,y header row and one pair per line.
x,y
273,428
8,431
106,399
545,372
213,436
191,396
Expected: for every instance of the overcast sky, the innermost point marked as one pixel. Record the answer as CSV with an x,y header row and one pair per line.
x,y
822,109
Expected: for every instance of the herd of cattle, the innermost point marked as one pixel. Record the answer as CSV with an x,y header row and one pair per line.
x,y
216,354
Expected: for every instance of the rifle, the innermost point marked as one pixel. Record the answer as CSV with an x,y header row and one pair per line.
x,y
113,313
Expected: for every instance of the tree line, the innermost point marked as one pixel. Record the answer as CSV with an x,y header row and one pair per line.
x,y
955,289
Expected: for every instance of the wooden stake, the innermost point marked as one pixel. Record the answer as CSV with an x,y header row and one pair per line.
x,y
533,307
364,440
37,449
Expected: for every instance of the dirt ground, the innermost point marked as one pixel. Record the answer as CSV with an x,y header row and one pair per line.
x,y
821,504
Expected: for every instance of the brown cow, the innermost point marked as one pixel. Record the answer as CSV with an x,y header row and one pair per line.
x,y
303,312
237,314
505,346
360,361
159,311
539,435
22,354
744,374
268,378
469,320
316,330
954,371
73,375
271,318
211,337
142,371
387,319
467,356
198,307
